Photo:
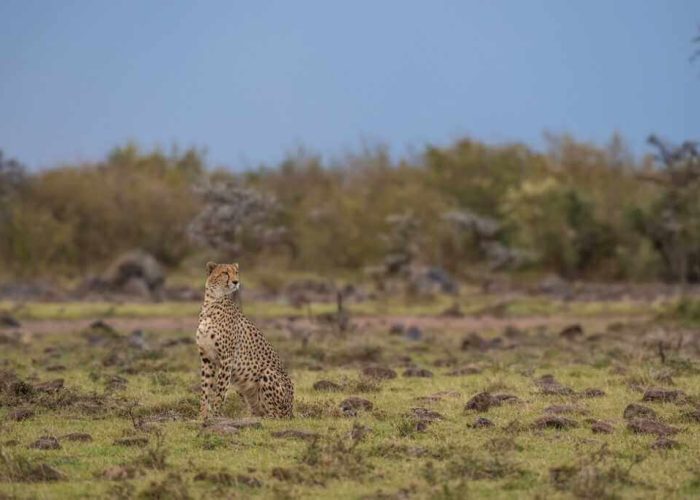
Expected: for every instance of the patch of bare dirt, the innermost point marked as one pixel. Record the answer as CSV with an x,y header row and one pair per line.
x,y
648,426
80,437
352,405
634,410
482,401
663,395
481,422
548,385
46,443
602,427
565,410
554,422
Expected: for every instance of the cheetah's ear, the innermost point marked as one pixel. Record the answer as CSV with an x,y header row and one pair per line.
x,y
210,267
235,265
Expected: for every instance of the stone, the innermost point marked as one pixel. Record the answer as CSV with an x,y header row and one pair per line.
x,y
46,443
635,410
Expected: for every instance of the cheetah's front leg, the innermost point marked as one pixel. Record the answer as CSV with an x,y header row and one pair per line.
x,y
208,376
223,380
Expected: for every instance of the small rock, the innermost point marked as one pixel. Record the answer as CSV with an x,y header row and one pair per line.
x,y
100,332
20,414
481,402
379,372
648,426
352,405
601,427
417,372
223,425
572,332
413,333
664,443
481,422
49,387
9,321
474,341
138,441
326,386
137,340
549,386
664,395
46,443
505,398
554,422
635,410
396,329
485,400
295,434
426,414
81,437
565,409
592,392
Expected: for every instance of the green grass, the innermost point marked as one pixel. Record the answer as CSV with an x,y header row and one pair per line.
x,y
470,303
447,460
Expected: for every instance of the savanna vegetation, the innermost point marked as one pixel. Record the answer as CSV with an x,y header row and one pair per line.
x,y
426,362
579,210
594,400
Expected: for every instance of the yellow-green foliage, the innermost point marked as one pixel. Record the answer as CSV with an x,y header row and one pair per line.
x,y
78,217
570,209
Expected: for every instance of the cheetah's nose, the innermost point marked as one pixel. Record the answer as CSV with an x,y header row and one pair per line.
x,y
235,282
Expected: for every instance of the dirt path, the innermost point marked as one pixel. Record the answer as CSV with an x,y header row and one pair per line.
x,y
466,323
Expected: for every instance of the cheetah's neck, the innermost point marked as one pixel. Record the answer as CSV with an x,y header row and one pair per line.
x,y
226,303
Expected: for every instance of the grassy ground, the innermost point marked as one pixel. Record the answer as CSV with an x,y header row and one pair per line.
x,y
116,387
469,303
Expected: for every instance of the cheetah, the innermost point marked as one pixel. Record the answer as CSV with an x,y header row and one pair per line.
x,y
234,351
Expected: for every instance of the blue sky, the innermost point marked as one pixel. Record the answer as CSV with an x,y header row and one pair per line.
x,y
250,81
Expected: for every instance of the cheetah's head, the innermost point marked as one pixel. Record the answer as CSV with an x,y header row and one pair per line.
x,y
222,279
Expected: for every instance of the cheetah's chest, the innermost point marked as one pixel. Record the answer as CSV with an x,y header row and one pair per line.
x,y
212,338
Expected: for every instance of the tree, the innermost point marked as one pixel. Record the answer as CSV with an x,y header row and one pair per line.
x,y
673,223
13,177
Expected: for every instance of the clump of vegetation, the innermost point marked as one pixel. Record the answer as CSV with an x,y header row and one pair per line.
x,y
171,486
18,468
579,210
